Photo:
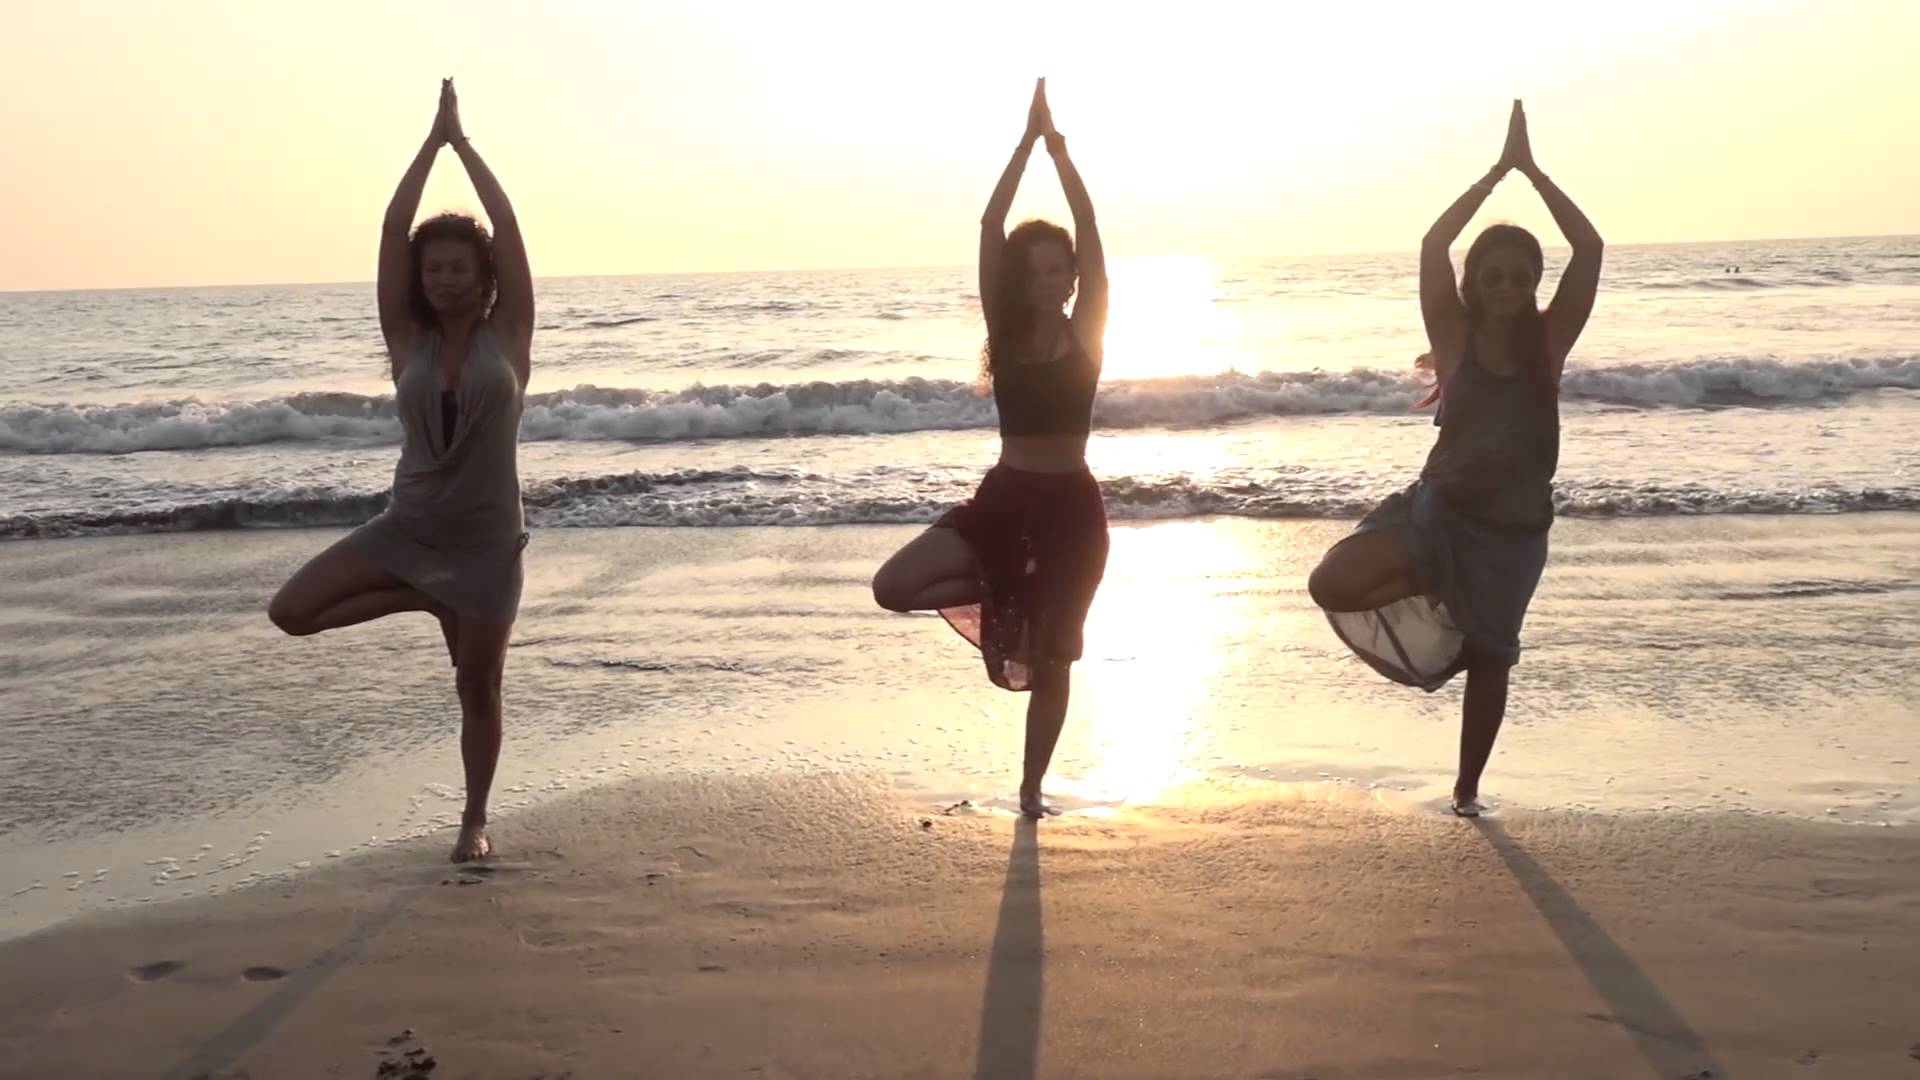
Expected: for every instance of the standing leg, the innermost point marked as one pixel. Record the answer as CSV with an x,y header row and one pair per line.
x,y
481,654
1060,609
1046,715
1482,709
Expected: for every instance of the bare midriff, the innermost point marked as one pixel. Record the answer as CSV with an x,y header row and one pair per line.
x,y
1044,453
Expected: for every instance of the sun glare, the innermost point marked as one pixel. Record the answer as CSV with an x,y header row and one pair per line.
x,y
1167,320
1154,649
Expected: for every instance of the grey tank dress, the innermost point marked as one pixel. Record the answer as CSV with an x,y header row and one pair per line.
x,y
453,527
1476,525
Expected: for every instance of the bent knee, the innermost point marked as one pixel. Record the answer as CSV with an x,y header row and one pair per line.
x,y
289,617
1326,586
890,592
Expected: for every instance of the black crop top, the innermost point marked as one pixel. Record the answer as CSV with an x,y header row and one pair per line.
x,y
1053,397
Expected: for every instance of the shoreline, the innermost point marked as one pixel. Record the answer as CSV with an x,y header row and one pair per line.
x,y
796,926
165,733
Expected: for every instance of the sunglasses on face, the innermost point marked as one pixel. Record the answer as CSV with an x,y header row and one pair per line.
x,y
1516,277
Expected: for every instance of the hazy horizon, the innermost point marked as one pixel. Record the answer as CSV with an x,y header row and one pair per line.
x,y
1550,247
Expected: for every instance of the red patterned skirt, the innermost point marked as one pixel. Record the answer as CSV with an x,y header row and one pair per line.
x,y
1040,541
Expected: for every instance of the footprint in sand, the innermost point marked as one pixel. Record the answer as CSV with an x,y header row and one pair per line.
x,y
263,973
159,969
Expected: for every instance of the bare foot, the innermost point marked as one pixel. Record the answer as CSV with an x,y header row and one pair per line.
x,y
1033,806
472,846
1467,805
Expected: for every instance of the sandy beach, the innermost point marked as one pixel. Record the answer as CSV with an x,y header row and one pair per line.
x,y
725,849
822,928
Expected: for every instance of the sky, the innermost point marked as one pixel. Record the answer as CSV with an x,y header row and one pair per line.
x,y
233,141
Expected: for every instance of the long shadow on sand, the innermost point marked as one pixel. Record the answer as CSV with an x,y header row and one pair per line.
x,y
1669,1044
1010,1017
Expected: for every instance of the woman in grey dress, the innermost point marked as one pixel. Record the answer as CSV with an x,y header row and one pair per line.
x,y
1437,579
456,309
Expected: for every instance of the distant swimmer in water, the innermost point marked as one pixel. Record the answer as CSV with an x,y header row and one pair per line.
x,y
1437,579
456,309
1014,569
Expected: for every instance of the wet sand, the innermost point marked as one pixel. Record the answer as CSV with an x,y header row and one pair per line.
x,y
824,927
160,740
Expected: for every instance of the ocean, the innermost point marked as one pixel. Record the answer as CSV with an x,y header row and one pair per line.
x,y
1274,388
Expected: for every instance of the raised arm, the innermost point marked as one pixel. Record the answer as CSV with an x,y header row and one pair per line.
x,y
394,282
1580,281
993,223
1573,297
513,302
1090,305
1440,307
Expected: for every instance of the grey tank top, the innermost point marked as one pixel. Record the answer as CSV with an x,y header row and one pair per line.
x,y
459,487
1499,447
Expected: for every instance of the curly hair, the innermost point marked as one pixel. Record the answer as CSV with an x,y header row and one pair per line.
x,y
1010,317
465,229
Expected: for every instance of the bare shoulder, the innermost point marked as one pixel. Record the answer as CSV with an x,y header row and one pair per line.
x,y
401,345
1447,352
512,334
1091,341
516,344
1088,325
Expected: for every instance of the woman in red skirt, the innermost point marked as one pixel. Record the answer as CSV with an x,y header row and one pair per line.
x,y
1014,569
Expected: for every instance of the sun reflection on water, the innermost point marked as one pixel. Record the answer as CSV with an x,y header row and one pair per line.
x,y
1156,643
1166,320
